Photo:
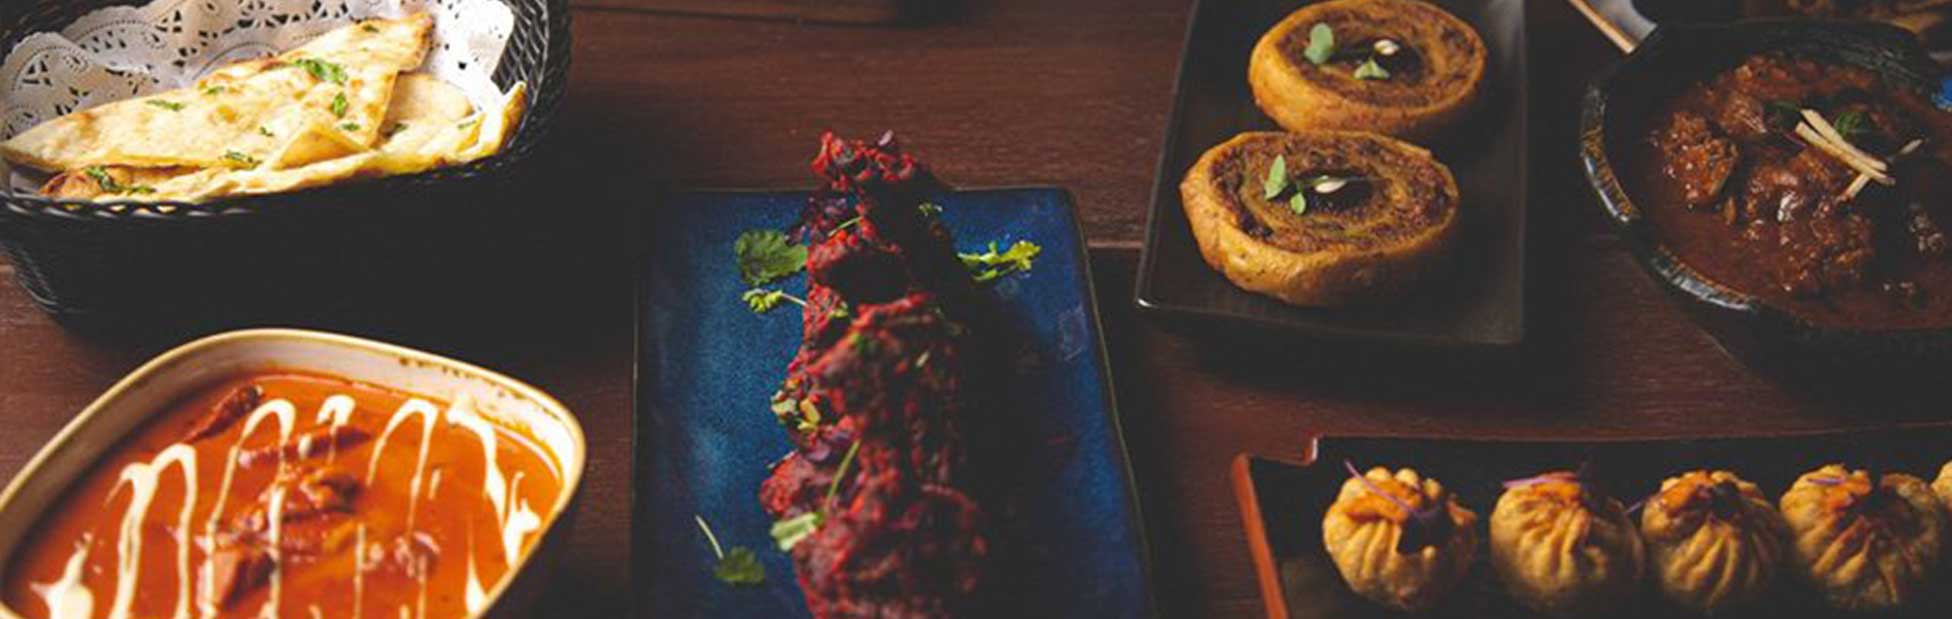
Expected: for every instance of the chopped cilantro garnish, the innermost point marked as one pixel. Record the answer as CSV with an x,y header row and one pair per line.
x,y
761,300
991,265
349,126
1851,123
167,105
215,90
1277,178
791,531
930,209
324,71
339,105
242,160
738,566
265,132
766,256
1321,44
111,186
1369,70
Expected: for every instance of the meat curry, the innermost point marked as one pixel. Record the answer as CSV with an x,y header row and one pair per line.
x,y
292,495
1822,189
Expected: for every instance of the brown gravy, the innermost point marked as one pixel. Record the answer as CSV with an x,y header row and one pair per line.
x,y
1742,198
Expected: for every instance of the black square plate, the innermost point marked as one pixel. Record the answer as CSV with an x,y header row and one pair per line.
x,y
1481,306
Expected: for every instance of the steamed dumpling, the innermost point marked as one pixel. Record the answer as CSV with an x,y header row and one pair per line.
x,y
1715,542
1865,546
1563,549
1400,540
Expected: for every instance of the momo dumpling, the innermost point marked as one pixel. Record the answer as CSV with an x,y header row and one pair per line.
x,y
1399,539
1866,545
1715,542
1564,549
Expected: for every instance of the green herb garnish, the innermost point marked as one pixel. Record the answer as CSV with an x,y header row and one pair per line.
x,y
991,265
369,28
737,567
265,132
324,71
1851,123
840,472
339,105
791,531
1277,178
348,126
215,90
167,105
1369,70
761,300
930,209
111,186
1321,44
766,256
241,160
1299,202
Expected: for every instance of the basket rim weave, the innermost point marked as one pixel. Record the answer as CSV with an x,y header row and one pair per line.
x,y
545,94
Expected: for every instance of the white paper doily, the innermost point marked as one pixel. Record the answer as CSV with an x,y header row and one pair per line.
x,y
124,51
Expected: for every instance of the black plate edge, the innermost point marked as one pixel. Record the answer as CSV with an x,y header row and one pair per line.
x,y
1167,180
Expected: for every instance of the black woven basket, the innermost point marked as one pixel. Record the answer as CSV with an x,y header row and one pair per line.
x,y
123,262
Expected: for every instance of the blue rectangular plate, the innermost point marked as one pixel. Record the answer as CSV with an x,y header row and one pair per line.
x,y
708,367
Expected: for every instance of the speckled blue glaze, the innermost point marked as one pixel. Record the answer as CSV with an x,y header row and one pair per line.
x,y
705,435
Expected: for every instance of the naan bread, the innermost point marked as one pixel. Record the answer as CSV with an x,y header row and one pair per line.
x,y
321,101
430,124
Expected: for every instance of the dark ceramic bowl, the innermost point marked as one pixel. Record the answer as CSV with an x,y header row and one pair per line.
x,y
1675,56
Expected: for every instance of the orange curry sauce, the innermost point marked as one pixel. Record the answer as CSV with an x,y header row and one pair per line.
x,y
313,497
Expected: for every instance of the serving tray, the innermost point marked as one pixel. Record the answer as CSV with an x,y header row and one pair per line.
x,y
1282,503
1481,306
707,369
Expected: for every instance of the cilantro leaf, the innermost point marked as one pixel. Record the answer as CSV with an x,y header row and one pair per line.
x,y
992,265
265,132
930,209
766,256
1369,70
1321,44
740,568
167,105
215,90
791,531
111,186
339,105
241,160
761,300
1851,123
1299,203
349,127
1277,178
324,71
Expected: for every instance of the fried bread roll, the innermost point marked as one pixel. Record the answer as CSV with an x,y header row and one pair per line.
x,y
1867,546
1715,542
1355,218
1399,539
1399,67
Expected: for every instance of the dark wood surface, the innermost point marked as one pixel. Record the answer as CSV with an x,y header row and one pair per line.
x,y
1012,92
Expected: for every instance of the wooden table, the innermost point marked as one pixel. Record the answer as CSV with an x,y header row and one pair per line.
x,y
1010,92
